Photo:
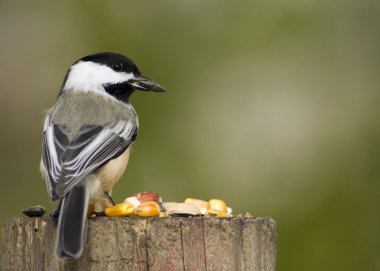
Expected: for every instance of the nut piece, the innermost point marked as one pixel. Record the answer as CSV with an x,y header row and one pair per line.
x,y
147,196
183,209
216,213
121,209
202,205
169,204
217,204
148,208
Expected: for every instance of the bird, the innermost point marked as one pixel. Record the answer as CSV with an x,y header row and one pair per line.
x,y
86,141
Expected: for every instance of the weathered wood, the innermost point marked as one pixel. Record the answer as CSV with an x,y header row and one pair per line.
x,y
193,244
171,243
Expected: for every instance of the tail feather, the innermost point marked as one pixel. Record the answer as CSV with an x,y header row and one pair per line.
x,y
72,224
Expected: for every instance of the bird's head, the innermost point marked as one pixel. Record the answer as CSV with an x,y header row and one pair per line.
x,y
107,73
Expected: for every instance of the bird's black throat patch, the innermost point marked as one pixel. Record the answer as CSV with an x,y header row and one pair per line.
x,y
121,91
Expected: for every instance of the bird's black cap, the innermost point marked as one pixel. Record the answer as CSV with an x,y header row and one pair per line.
x,y
121,64
115,61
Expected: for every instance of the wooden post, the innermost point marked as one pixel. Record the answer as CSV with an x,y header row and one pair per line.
x,y
162,244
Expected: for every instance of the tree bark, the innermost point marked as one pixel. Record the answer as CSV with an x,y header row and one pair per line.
x,y
170,243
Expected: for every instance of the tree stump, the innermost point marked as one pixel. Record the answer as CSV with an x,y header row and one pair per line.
x,y
133,243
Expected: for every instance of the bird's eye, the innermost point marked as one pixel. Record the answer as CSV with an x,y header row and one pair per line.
x,y
118,66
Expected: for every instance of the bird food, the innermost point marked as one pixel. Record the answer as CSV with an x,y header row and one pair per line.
x,y
34,211
147,196
121,209
148,208
150,204
183,209
217,205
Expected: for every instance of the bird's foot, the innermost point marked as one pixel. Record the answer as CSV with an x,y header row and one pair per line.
x,y
101,213
109,197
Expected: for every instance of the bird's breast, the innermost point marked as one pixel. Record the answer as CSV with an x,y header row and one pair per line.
x,y
112,171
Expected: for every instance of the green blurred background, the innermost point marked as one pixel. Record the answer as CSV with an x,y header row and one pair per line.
x,y
272,106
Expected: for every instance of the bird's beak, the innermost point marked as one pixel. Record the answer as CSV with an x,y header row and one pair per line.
x,y
143,83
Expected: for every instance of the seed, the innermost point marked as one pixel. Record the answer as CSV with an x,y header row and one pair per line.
x,y
148,208
34,211
121,209
217,204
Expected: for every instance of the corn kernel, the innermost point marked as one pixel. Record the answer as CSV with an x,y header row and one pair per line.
x,y
148,208
121,209
217,204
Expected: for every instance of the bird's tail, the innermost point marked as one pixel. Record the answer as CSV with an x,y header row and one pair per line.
x,y
72,223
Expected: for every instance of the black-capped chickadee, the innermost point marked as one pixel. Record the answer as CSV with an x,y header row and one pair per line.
x,y
87,136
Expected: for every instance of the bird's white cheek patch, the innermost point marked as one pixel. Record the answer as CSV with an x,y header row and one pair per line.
x,y
90,76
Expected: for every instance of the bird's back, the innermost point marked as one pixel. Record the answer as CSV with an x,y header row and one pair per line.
x,y
78,109
82,132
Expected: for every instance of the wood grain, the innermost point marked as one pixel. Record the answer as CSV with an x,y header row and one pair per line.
x,y
142,244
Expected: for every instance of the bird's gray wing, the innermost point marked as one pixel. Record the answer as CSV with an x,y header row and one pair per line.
x,y
68,157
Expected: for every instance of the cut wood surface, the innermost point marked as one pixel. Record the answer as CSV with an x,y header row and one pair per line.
x,y
169,243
